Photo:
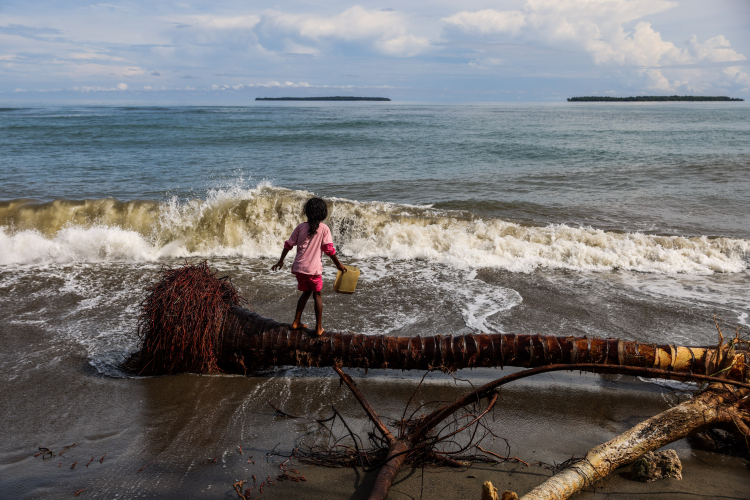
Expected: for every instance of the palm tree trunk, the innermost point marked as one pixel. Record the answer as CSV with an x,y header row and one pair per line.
x,y
250,340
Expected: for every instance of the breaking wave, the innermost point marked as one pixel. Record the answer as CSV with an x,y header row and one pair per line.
x,y
253,223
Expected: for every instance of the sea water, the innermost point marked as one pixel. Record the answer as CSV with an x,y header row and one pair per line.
x,y
611,220
651,198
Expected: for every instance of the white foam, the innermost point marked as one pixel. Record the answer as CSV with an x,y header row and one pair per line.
x,y
254,222
74,244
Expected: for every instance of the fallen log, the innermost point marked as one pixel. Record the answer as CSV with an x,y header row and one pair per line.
x,y
192,321
719,406
258,342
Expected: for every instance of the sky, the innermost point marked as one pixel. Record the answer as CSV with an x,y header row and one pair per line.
x,y
437,50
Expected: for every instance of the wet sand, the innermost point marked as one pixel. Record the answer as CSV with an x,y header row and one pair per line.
x,y
186,430
177,426
710,480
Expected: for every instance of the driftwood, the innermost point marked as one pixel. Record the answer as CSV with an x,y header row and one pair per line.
x,y
720,406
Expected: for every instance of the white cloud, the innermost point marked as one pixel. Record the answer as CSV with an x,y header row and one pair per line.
x,y
274,83
598,28
119,86
488,21
222,22
403,46
295,48
387,29
716,49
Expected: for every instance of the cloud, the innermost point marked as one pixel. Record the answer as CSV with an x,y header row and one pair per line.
x,y
119,86
94,55
222,22
488,21
87,70
386,30
485,62
286,84
598,28
295,48
30,32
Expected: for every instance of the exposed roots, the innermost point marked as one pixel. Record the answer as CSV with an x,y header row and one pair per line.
x,y
182,320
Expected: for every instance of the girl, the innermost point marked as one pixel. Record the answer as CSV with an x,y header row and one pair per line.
x,y
312,238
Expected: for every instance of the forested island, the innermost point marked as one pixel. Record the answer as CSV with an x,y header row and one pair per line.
x,y
333,98
653,98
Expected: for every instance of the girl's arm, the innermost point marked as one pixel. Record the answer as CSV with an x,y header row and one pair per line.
x,y
288,245
330,251
280,263
338,264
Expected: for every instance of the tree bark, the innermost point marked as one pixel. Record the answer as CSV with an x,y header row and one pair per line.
x,y
250,340
713,408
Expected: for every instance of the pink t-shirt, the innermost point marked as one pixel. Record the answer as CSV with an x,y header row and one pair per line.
x,y
310,249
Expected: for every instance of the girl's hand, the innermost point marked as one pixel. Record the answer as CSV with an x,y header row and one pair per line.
x,y
277,266
342,269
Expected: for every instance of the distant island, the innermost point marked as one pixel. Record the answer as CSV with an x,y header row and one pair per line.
x,y
334,98
652,98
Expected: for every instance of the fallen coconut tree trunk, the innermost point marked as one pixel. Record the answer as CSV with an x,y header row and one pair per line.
x,y
192,321
719,406
250,340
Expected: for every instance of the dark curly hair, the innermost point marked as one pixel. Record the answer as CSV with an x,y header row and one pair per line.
x,y
316,211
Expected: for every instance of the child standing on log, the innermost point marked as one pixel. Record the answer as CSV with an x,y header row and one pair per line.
x,y
312,238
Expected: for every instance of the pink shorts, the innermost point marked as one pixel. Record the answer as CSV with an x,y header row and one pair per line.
x,y
307,282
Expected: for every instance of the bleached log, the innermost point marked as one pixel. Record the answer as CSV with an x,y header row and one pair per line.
x,y
716,407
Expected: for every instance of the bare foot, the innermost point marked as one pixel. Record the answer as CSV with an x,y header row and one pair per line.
x,y
299,326
319,332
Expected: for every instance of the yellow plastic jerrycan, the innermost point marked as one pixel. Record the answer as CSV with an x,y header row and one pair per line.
x,y
346,282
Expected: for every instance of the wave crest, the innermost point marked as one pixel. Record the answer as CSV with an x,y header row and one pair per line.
x,y
253,223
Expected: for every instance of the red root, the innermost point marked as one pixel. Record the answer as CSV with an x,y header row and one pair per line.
x,y
181,321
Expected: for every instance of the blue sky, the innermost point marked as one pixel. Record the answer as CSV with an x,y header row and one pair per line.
x,y
440,50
